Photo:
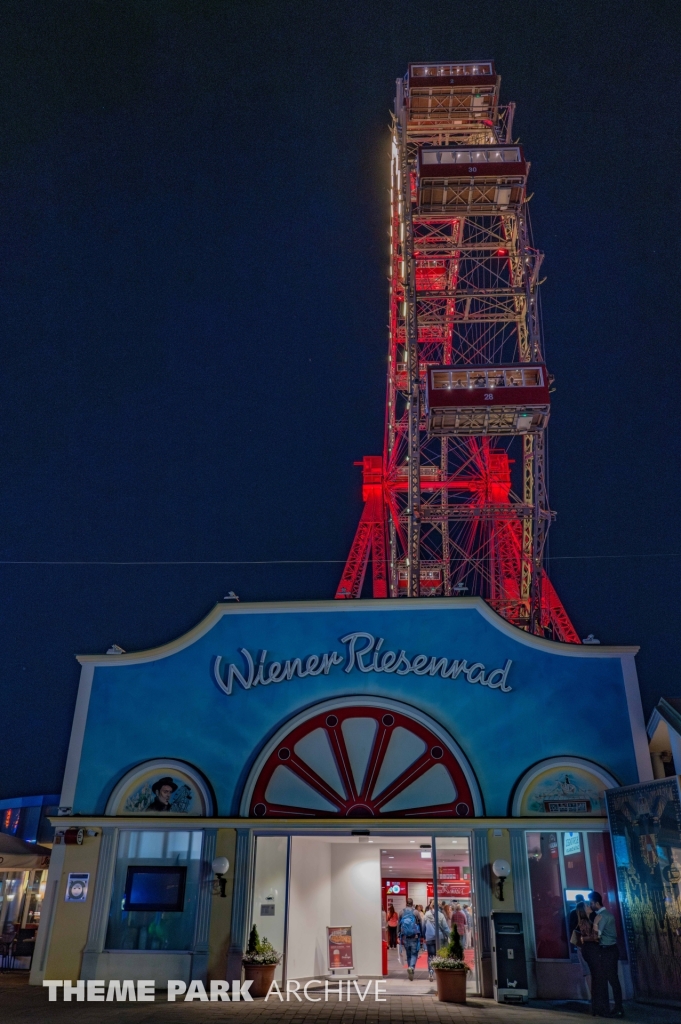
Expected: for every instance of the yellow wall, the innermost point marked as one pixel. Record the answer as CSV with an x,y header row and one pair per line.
x,y
72,920
221,909
500,846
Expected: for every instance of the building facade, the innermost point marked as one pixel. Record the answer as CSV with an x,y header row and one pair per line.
x,y
340,755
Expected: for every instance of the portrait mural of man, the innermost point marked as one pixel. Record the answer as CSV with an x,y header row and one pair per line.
x,y
163,795
163,790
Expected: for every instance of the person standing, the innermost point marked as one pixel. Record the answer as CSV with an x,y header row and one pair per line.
x,y
585,942
461,922
392,926
410,934
436,935
572,919
604,969
469,926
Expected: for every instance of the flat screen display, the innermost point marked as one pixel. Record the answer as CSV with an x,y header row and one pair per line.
x,y
152,888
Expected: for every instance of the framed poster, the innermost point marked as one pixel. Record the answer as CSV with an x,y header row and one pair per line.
x,y
76,888
339,941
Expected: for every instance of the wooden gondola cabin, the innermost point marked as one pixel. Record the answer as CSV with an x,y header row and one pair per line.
x,y
471,176
463,96
474,400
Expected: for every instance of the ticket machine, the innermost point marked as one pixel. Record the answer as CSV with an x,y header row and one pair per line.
x,y
508,958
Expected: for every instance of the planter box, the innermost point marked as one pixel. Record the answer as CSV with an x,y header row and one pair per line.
x,y
262,976
451,986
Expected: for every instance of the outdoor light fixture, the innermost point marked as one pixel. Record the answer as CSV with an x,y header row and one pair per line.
x,y
501,869
220,868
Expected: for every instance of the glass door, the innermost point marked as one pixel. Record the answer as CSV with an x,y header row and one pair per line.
x,y
269,907
453,880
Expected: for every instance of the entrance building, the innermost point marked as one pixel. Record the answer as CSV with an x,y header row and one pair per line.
x,y
342,757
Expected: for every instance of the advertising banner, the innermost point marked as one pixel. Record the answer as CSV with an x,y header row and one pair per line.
x,y
339,941
645,821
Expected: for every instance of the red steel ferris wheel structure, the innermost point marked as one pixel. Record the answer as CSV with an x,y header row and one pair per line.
x,y
458,504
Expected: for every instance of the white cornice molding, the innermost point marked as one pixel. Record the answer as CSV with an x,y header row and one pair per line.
x,y
366,607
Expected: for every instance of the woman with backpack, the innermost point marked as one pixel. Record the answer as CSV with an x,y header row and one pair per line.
x,y
410,935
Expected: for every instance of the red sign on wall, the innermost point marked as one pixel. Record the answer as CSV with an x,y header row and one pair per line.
x,y
454,890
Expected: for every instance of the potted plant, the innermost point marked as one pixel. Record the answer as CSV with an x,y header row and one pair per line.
x,y
451,970
260,962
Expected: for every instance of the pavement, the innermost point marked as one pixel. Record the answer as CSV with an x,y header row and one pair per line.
x,y
21,1003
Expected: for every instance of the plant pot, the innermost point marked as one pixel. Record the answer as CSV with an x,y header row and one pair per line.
x,y
451,986
262,976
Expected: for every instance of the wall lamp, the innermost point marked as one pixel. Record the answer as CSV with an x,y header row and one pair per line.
x,y
220,868
501,869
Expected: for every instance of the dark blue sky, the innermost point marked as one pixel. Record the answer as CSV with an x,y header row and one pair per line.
x,y
193,215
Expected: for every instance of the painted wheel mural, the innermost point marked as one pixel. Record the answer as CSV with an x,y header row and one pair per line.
x,y
361,762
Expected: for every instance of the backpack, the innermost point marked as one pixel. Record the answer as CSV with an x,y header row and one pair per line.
x,y
409,926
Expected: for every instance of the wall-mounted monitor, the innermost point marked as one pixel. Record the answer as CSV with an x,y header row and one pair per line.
x,y
155,888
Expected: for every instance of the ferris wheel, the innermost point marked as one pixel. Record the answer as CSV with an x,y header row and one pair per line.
x,y
458,503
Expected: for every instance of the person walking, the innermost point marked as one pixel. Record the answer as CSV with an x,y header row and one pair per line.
x,y
469,926
392,926
604,968
410,934
436,935
461,922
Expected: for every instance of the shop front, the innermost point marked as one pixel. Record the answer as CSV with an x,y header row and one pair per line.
x,y
344,757
23,876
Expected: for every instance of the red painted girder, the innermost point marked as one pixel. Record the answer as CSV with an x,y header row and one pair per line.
x,y
370,538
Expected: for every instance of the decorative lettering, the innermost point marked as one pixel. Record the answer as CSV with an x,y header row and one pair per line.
x,y
364,654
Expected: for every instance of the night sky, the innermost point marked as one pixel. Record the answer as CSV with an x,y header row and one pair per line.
x,y
194,251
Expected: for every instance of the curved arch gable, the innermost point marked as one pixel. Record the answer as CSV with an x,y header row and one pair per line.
x,y
561,785
186,791
361,757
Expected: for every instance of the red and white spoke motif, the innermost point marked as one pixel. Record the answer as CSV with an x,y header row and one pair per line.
x,y
361,762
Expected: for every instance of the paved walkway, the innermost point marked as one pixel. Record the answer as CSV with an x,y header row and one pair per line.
x,y
21,1003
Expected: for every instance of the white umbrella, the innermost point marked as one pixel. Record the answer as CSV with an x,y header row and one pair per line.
x,y
17,855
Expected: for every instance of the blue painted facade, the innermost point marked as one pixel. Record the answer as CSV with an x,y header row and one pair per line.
x,y
555,700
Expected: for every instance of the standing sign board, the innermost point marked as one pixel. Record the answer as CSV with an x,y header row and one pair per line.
x,y
339,941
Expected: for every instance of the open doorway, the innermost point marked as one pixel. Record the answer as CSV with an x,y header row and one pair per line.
x,y
409,870
308,884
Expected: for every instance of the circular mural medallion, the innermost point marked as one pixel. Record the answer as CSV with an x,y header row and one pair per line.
x,y
360,762
161,786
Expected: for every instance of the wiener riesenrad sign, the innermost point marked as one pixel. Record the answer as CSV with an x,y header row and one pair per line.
x,y
363,652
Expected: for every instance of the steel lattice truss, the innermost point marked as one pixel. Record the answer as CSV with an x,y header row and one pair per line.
x,y
449,514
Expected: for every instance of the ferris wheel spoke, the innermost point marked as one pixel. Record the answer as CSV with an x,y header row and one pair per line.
x,y
413,772
375,760
340,750
308,775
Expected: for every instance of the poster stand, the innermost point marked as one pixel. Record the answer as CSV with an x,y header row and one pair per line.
x,y
339,948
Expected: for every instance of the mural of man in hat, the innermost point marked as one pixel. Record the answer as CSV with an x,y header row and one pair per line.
x,y
162,789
